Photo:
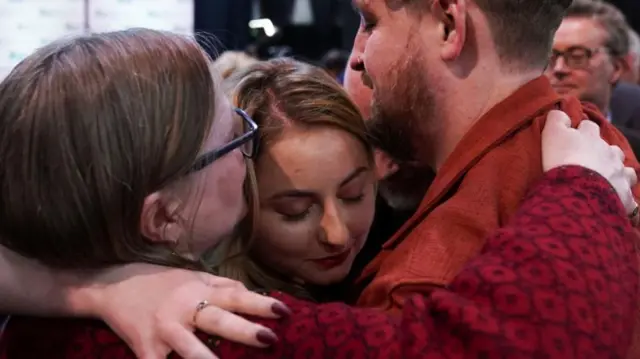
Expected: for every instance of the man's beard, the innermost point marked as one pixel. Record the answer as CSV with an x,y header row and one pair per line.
x,y
401,114
405,189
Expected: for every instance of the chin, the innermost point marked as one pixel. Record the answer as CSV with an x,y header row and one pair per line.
x,y
329,276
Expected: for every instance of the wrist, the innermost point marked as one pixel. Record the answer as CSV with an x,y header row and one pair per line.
x,y
82,298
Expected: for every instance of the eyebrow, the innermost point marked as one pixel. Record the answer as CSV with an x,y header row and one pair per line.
x,y
302,194
357,172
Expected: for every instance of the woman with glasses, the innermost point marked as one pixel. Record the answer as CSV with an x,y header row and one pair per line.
x,y
120,148
112,154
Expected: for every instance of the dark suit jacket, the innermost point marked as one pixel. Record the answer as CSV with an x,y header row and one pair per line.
x,y
625,106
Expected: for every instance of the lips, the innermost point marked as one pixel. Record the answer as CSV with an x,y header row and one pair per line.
x,y
333,261
563,88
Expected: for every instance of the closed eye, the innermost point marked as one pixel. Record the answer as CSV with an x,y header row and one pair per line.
x,y
295,217
356,199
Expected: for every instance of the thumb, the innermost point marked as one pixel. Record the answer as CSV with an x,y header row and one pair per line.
x,y
559,119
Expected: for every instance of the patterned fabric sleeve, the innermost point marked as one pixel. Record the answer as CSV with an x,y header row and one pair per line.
x,y
560,282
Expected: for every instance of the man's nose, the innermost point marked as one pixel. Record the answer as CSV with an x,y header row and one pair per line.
x,y
356,63
560,68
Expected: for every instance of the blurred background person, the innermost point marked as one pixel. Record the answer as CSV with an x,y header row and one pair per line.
x,y
631,8
626,94
589,57
335,62
588,53
631,72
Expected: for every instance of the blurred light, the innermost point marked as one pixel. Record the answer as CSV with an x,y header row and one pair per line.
x,y
265,24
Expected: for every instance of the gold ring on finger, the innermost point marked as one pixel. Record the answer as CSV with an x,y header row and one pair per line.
x,y
203,304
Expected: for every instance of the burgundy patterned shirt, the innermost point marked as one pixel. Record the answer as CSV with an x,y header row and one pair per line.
x,y
559,282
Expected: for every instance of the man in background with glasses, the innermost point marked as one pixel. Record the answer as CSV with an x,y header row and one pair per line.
x,y
587,60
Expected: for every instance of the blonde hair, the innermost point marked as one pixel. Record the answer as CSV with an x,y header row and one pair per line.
x,y
231,62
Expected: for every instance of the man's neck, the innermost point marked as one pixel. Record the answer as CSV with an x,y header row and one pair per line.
x,y
605,106
466,103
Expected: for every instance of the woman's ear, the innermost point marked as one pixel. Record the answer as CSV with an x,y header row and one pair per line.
x,y
159,221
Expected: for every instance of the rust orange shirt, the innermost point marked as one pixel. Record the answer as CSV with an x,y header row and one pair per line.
x,y
477,190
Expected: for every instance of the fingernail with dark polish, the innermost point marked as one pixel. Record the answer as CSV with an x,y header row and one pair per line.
x,y
266,337
280,310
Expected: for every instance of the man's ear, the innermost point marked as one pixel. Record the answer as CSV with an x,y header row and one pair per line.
x,y
619,67
385,166
627,63
159,220
452,18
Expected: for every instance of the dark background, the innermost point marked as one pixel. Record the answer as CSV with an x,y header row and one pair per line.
x,y
335,25
631,8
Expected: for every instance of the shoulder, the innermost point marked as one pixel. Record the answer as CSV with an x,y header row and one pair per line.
x,y
625,90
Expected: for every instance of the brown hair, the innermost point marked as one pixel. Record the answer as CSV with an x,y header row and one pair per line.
x,y
89,127
278,94
610,18
522,30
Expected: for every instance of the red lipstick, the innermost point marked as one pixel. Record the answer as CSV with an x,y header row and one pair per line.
x,y
332,261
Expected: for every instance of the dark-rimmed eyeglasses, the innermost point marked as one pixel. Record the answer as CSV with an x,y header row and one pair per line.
x,y
575,57
246,142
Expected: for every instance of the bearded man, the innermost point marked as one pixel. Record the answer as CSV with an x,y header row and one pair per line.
x,y
458,86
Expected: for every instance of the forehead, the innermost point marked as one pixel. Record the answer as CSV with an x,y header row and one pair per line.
x,y
580,31
310,159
